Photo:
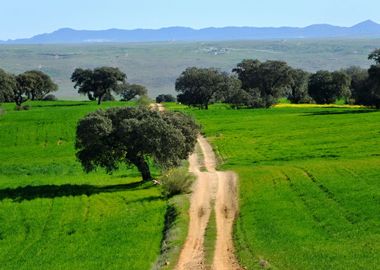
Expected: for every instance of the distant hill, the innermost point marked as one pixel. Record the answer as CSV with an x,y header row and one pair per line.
x,y
364,29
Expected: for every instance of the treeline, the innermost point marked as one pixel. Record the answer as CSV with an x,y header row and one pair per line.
x,y
30,85
99,84
252,84
255,84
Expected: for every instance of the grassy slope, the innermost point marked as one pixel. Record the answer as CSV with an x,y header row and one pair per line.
x,y
157,65
309,184
54,216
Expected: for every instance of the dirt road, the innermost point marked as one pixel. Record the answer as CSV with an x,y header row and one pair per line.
x,y
157,107
211,186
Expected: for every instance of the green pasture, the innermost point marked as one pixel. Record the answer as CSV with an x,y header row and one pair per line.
x,y
54,216
309,184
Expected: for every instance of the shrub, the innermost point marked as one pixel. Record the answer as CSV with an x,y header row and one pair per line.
x,y
143,101
176,181
50,98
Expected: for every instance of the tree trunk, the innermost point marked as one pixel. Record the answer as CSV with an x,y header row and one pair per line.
x,y
143,167
100,99
18,100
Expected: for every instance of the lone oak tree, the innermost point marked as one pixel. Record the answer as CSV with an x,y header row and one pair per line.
x,y
98,82
134,136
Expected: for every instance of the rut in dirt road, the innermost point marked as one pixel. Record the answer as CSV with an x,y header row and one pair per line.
x,y
210,186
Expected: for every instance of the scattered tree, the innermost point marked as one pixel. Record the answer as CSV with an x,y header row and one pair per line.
x,y
40,84
165,98
326,87
369,91
31,84
375,56
130,91
265,82
359,84
298,87
98,82
7,86
199,86
25,84
134,136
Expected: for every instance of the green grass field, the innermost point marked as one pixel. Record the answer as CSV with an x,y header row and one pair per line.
x,y
309,184
54,216
157,65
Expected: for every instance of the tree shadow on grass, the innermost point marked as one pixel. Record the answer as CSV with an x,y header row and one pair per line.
x,y
59,105
339,112
53,191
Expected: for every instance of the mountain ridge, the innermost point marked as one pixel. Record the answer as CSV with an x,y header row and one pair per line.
x,y
363,29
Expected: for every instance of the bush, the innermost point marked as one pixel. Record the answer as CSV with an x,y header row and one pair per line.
x,y
50,98
176,181
143,101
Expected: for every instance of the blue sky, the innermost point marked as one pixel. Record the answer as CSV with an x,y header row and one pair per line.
x,y
25,18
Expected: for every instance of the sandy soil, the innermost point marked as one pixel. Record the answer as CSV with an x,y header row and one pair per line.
x,y
210,186
157,107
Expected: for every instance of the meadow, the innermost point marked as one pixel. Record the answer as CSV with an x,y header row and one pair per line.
x,y
157,65
55,216
309,183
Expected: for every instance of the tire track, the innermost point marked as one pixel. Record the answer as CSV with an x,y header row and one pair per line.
x,y
210,186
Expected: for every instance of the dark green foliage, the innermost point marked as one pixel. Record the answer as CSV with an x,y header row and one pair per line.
x,y
375,56
165,98
359,84
298,88
134,136
23,88
265,82
199,86
32,85
368,89
373,86
7,86
157,65
40,84
130,91
326,87
98,82
239,98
